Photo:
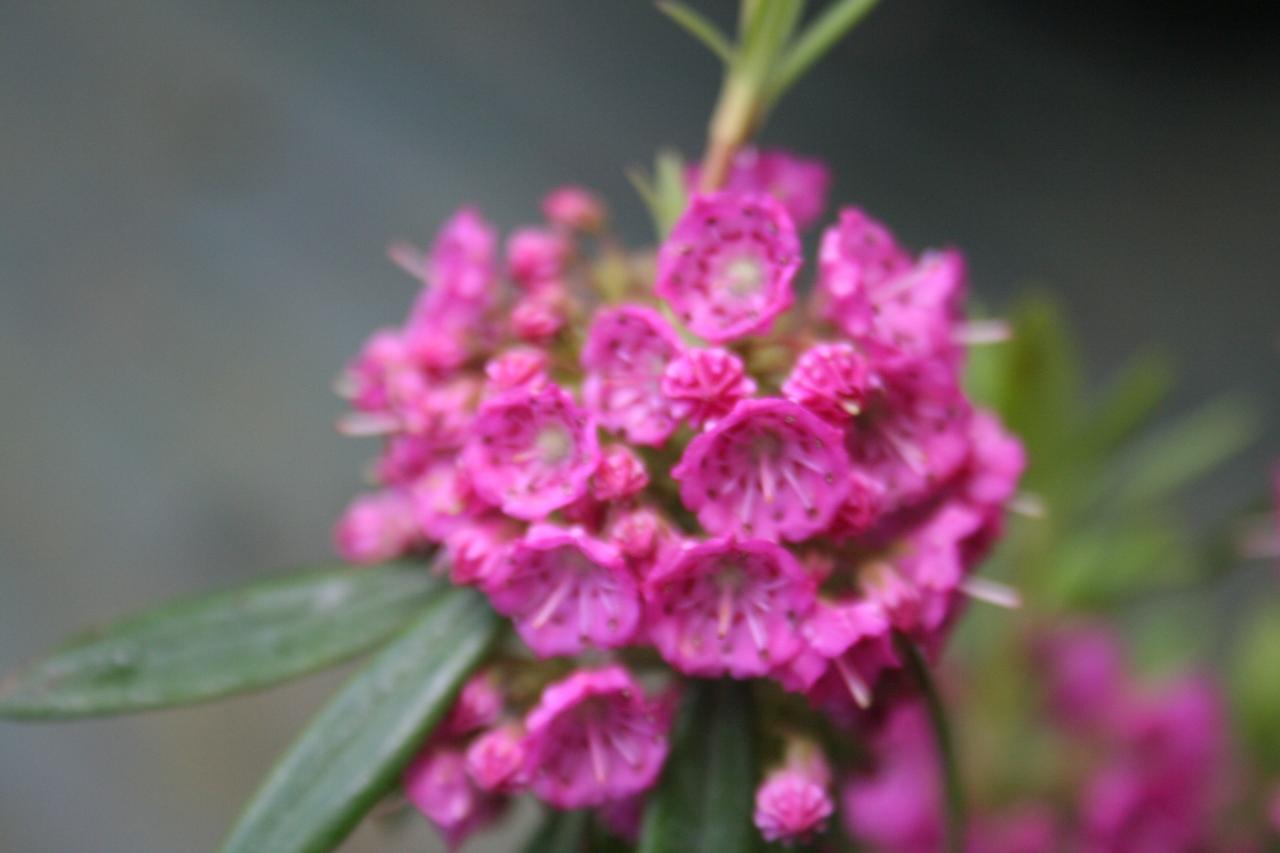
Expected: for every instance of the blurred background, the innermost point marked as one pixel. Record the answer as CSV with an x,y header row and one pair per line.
x,y
195,197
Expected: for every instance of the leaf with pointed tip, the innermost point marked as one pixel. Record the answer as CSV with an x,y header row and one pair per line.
x,y
230,642
355,748
704,799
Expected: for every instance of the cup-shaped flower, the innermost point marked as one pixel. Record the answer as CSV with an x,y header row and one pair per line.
x,y
771,469
728,607
496,759
793,803
626,351
594,738
800,184
566,591
531,452
727,267
437,784
848,645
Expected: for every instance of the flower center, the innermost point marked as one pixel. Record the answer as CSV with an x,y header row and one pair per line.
x,y
743,276
553,444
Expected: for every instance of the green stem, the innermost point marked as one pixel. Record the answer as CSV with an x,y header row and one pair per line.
x,y
947,761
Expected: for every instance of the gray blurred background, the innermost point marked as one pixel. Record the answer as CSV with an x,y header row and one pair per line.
x,y
195,197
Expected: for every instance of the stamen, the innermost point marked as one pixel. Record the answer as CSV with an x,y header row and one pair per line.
x,y
800,491
766,478
858,689
597,751
367,423
409,258
726,611
981,333
992,592
1028,505
619,744
553,601
907,451
757,633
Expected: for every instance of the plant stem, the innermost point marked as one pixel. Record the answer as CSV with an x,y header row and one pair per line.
x,y
947,761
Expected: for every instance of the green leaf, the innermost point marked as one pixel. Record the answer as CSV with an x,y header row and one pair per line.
x,y
355,748
561,832
1256,689
700,27
704,799
226,643
814,42
1126,407
1185,451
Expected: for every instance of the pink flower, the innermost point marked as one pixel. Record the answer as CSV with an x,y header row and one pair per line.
x,y
869,287
1161,784
537,255
476,547
800,184
644,537
538,315
792,804
565,591
461,269
443,499
438,786
848,645
898,806
531,452
912,433
727,267
574,208
404,459
1273,811
830,380
626,351
437,414
496,759
376,527
703,385
520,367
620,474
593,738
365,379
770,469
623,817
728,607
478,706
1085,677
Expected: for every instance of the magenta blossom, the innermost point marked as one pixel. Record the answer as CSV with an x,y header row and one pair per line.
x,y
800,184
438,785
376,527
531,452
793,804
565,591
703,385
496,759
574,208
625,354
770,469
727,267
594,738
728,606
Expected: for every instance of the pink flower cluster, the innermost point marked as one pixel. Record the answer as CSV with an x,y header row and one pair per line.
x,y
694,463
1149,764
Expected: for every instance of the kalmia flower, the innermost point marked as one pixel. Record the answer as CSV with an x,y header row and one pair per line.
x,y
728,607
496,759
792,803
565,591
800,184
531,452
575,208
620,474
703,385
769,469
594,738
627,458
626,351
376,527
727,267
438,785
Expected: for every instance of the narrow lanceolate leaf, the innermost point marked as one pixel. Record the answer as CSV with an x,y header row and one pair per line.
x,y
226,643
704,799
353,751
561,832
